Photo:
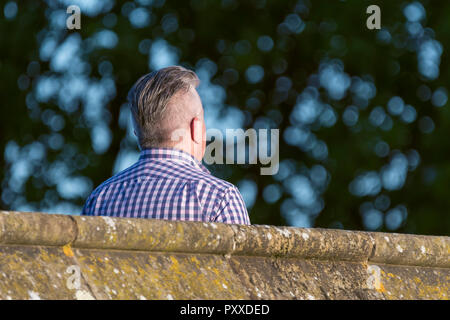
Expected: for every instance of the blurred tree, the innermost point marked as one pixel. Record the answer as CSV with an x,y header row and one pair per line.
x,y
363,114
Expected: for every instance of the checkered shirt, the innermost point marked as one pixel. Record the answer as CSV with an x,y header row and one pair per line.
x,y
167,184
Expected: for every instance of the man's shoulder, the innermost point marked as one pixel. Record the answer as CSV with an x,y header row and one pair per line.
x,y
129,173
196,175
183,173
207,179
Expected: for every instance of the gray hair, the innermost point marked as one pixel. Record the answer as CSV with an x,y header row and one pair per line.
x,y
149,98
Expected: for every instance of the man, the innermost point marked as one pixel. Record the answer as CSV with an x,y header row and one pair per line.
x,y
168,182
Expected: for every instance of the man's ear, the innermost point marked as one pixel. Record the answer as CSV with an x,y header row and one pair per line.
x,y
196,130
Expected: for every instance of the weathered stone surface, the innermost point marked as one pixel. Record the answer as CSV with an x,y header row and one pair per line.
x,y
35,272
36,228
322,244
413,282
394,248
142,275
152,235
70,257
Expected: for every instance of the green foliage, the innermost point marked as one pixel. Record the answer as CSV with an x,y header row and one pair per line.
x,y
226,33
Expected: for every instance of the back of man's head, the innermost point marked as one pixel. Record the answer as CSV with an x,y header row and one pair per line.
x,y
152,98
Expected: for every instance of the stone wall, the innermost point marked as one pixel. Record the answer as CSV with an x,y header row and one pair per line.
x,y
45,256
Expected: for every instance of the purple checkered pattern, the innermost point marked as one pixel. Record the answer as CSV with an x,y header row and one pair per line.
x,y
167,184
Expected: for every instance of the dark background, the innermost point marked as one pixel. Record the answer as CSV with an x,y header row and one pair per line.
x,y
363,114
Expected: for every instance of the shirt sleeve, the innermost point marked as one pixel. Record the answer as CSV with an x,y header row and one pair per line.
x,y
86,211
232,208
89,206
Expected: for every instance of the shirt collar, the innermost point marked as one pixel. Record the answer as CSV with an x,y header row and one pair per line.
x,y
170,153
